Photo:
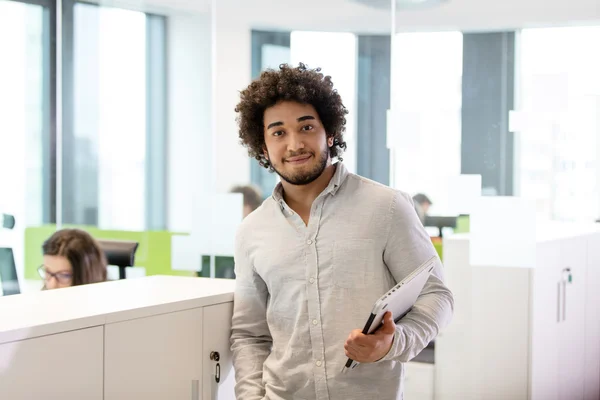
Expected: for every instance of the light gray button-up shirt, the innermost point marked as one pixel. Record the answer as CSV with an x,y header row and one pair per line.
x,y
301,290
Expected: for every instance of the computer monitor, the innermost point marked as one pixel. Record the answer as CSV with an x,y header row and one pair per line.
x,y
440,222
8,272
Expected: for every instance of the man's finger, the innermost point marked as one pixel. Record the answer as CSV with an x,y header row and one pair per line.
x,y
351,355
352,348
359,340
355,333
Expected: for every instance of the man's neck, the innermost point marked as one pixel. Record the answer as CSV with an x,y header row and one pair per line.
x,y
301,197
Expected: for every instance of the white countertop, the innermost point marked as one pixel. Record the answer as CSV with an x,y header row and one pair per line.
x,y
555,230
549,231
48,312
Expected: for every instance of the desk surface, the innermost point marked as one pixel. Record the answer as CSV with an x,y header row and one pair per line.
x,y
549,231
34,314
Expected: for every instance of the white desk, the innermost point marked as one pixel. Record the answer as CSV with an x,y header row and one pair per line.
x,y
524,333
145,338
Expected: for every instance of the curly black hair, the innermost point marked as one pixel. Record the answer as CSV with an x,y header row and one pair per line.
x,y
300,84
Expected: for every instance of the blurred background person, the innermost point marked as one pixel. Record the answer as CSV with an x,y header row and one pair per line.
x,y
422,205
252,197
71,258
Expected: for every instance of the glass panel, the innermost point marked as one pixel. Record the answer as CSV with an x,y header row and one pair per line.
x,y
109,138
560,101
23,106
314,49
425,127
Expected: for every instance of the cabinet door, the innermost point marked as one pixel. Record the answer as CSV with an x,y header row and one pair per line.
x,y
66,366
419,381
545,310
154,358
572,327
217,330
592,316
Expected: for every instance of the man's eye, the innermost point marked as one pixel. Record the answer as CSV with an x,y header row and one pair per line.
x,y
278,133
307,128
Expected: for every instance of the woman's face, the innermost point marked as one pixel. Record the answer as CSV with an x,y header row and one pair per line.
x,y
57,272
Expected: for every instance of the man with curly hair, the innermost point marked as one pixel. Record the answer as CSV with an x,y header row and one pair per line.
x,y
313,258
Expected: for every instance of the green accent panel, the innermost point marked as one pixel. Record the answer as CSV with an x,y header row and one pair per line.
x,y
462,224
439,248
153,252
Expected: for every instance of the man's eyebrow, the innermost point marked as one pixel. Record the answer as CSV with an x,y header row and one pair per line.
x,y
272,124
306,117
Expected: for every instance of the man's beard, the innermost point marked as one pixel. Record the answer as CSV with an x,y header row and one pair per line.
x,y
304,178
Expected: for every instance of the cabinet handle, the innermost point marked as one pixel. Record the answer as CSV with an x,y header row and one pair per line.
x,y
567,278
195,389
564,301
558,301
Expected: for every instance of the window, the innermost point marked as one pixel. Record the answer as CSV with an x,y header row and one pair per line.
x,y
426,113
24,119
269,50
559,146
315,50
111,128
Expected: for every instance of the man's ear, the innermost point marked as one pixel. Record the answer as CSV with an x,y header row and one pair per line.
x,y
265,153
330,141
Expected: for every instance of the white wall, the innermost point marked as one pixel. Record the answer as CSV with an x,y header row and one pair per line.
x,y
189,136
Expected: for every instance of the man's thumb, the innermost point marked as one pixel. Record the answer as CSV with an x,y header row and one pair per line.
x,y
389,326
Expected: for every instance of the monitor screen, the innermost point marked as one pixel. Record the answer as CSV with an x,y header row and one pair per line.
x,y
8,272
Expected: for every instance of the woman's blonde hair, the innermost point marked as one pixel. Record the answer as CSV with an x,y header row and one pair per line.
x,y
83,252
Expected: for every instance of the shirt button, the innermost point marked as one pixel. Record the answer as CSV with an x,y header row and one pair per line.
x,y
312,280
319,363
315,322
309,241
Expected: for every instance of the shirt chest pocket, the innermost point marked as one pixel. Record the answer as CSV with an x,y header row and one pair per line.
x,y
351,263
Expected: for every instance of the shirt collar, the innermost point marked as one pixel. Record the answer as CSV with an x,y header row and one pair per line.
x,y
336,181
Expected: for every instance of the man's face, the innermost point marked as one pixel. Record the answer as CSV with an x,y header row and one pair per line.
x,y
296,143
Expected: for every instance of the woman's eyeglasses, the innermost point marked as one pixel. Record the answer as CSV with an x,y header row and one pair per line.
x,y
62,277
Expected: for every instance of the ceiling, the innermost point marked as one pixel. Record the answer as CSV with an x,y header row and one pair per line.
x,y
351,15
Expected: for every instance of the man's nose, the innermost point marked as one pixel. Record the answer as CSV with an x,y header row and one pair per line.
x,y
295,142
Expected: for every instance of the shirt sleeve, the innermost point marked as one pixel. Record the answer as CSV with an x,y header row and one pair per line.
x,y
408,246
250,336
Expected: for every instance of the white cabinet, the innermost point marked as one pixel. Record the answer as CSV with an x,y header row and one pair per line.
x,y
419,381
148,338
592,322
215,338
169,356
571,275
523,333
154,358
558,320
66,366
546,313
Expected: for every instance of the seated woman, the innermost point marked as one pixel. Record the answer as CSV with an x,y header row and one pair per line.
x,y
72,257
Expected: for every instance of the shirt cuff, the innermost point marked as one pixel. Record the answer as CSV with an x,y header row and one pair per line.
x,y
393,348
